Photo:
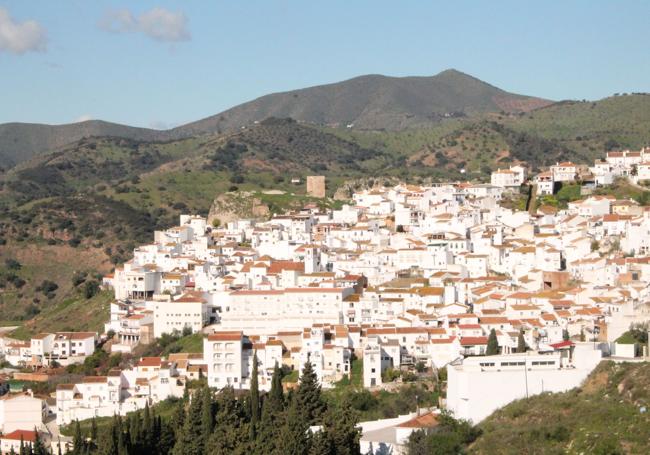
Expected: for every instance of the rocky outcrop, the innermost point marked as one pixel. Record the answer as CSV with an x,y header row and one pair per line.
x,y
237,205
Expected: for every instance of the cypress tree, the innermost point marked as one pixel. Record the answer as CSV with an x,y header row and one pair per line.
x,y
254,394
167,437
135,429
207,416
309,398
521,342
109,441
178,418
493,344
39,448
189,440
272,415
93,430
77,440
147,439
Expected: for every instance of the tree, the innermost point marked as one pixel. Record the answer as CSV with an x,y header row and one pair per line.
x,y
91,288
38,447
451,436
493,344
339,434
231,433
254,394
309,398
521,342
207,416
294,436
190,441
268,434
565,335
78,444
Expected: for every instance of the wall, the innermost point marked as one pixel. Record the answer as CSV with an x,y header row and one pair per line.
x,y
474,395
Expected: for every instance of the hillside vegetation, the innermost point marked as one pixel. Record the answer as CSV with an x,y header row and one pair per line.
x,y
607,415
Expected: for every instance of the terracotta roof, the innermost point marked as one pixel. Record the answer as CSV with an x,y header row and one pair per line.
x,y
429,420
226,336
150,362
17,435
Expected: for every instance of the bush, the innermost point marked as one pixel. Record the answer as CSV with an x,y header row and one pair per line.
x,y
91,288
390,374
12,264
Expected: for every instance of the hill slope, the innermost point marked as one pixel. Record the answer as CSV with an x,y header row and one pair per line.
x,y
375,102
607,415
21,141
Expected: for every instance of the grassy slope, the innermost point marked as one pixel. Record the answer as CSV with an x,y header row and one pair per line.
x,y
41,262
601,417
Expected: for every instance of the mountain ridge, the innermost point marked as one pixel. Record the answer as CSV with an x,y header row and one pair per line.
x,y
373,102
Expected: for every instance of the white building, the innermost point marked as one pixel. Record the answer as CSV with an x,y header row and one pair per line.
x,y
478,386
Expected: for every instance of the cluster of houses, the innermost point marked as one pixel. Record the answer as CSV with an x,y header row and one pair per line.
x,y
633,165
406,277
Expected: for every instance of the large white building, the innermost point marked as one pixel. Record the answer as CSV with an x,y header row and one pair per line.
x,y
477,386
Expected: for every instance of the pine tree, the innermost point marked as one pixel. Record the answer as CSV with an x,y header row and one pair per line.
x,y
493,344
254,394
339,434
294,438
189,440
309,398
521,342
231,433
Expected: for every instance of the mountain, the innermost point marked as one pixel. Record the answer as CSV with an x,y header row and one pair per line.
x,y
21,141
375,102
370,102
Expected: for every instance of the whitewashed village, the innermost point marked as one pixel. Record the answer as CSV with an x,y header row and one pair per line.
x,y
438,280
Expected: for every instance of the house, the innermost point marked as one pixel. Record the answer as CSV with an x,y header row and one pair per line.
x,y
19,411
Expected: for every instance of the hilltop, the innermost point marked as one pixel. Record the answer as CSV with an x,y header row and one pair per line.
x,y
375,102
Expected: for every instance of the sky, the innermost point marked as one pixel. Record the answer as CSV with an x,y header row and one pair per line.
x,y
162,63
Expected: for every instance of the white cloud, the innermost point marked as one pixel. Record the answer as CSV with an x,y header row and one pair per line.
x,y
157,23
20,37
83,118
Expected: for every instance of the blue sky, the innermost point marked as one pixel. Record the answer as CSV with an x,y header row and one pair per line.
x,y
166,63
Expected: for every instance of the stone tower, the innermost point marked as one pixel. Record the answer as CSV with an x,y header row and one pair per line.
x,y
316,185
